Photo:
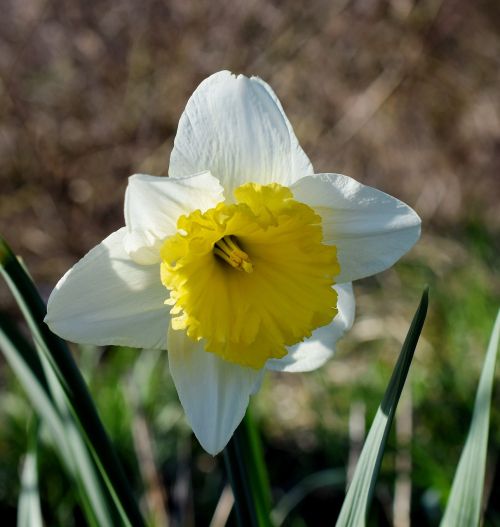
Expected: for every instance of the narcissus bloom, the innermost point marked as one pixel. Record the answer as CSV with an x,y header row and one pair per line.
x,y
239,262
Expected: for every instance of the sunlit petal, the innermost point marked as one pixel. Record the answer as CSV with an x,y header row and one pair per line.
x,y
213,392
153,205
236,128
370,229
107,299
316,350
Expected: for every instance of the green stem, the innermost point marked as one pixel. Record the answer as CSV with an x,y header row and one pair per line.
x,y
72,381
248,475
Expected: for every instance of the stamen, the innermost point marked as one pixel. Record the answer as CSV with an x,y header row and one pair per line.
x,y
227,249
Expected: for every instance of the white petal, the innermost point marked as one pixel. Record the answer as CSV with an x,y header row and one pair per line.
x,y
371,229
213,392
316,350
236,128
153,206
107,299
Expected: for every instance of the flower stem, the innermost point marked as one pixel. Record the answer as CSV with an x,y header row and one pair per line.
x,y
248,475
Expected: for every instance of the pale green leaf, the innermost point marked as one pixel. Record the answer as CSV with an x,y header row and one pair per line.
x,y
28,369
464,503
48,400
357,501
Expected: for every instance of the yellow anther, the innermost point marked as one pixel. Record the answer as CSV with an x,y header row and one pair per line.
x,y
227,249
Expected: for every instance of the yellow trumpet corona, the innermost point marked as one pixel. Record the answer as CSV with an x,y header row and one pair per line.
x,y
252,277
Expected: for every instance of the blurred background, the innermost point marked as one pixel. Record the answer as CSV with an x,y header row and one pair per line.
x,y
402,95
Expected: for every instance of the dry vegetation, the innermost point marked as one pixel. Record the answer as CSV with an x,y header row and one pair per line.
x,y
402,95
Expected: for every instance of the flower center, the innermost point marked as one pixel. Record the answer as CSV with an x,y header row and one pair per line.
x,y
227,249
252,277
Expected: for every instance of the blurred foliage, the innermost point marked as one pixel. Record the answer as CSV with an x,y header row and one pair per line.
x,y
399,94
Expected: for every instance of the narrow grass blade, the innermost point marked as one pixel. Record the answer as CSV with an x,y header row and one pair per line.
x,y
248,476
464,503
71,381
97,501
29,513
357,501
25,363
49,403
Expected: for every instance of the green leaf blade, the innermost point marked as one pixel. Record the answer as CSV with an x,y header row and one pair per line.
x,y
48,400
78,399
27,367
464,503
357,501
248,475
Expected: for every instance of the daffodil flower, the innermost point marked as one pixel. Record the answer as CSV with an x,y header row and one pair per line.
x,y
241,261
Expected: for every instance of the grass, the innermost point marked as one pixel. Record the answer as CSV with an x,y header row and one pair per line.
x,y
303,418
